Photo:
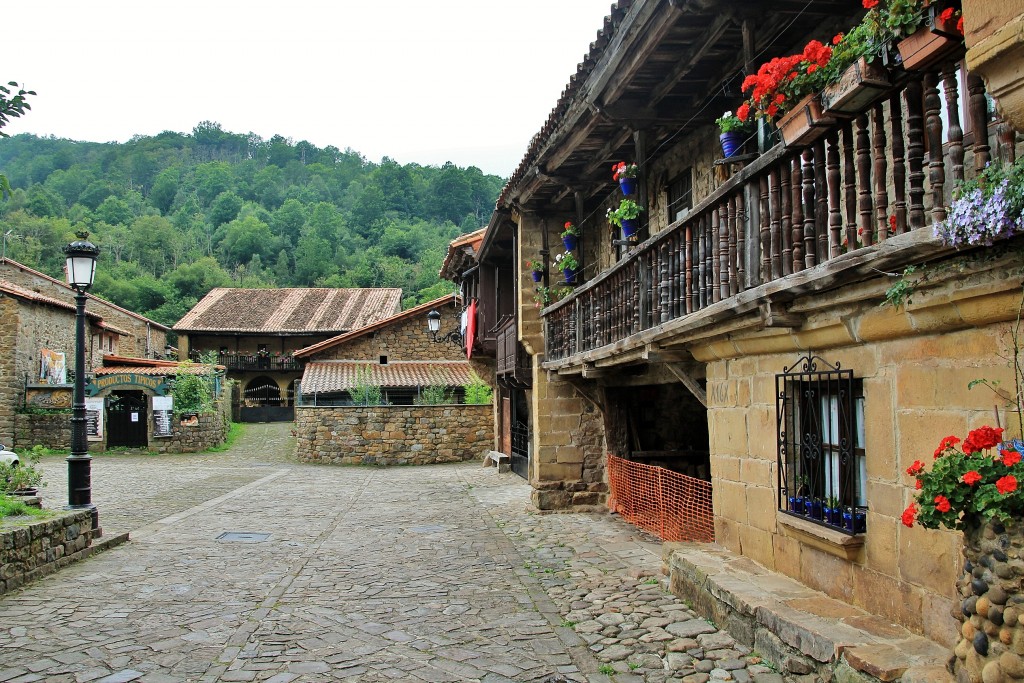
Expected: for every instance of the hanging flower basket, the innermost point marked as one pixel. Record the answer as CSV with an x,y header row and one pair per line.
x,y
931,43
629,226
731,143
805,123
627,185
858,87
536,275
570,242
570,275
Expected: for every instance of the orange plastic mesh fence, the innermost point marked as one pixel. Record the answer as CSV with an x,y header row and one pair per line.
x,y
672,505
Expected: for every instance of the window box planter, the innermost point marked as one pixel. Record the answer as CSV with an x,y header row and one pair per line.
x,y
805,123
930,44
861,85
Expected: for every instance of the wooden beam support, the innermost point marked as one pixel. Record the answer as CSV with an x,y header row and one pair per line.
x,y
690,382
691,58
586,392
774,314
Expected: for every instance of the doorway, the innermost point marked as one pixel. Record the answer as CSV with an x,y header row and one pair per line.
x,y
127,425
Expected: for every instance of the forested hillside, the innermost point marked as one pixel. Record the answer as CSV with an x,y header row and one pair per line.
x,y
177,214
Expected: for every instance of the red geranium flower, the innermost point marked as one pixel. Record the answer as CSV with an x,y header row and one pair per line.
x,y
971,478
911,511
1010,458
947,442
982,438
942,504
946,15
1007,484
838,37
870,4
743,111
915,468
918,484
960,25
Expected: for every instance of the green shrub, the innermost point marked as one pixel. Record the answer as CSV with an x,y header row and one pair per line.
x,y
478,392
193,394
434,395
364,393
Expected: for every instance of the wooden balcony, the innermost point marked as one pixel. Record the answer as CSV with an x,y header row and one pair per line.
x,y
862,198
254,361
513,363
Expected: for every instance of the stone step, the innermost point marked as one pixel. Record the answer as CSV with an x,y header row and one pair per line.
x,y
798,629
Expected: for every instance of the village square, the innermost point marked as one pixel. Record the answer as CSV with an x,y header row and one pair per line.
x,y
724,381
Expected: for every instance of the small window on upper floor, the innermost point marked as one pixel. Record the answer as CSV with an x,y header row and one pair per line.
x,y
680,195
383,360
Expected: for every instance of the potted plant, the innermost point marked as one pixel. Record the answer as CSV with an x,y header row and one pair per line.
x,y
787,87
626,175
569,265
813,507
22,478
833,511
570,235
855,77
536,268
940,35
626,216
733,132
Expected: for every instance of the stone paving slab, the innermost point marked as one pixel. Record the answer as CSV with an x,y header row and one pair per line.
x,y
441,573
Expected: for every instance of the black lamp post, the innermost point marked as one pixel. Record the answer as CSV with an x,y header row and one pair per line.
x,y
81,269
434,326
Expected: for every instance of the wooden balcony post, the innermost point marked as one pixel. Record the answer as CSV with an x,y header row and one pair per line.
x,y
881,189
954,131
850,185
810,248
899,166
933,128
866,225
914,98
765,231
978,107
797,221
835,218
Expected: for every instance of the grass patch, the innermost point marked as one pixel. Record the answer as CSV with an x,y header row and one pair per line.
x,y
606,669
11,506
568,623
235,430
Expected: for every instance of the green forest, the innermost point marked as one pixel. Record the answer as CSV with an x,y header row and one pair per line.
x,y
178,214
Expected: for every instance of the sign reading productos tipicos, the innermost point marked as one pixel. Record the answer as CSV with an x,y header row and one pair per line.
x,y
120,380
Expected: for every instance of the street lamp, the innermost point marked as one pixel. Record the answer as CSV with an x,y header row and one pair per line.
x,y
434,326
81,269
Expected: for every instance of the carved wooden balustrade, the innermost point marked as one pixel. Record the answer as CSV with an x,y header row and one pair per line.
x,y
888,170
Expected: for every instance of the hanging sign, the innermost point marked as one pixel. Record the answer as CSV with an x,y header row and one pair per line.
x,y
156,384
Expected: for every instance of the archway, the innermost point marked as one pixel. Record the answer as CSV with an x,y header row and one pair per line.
x,y
262,402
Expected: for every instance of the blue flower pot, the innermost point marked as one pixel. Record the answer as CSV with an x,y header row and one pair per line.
x,y
536,275
796,504
627,185
570,275
731,143
570,242
629,226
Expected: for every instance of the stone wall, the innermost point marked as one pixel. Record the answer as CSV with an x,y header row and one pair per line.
x,y
401,340
36,550
52,430
188,438
143,337
915,364
10,386
393,435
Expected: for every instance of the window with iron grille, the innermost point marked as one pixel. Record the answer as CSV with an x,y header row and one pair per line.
x,y
680,196
822,465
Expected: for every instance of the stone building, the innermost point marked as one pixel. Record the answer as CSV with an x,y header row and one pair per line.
x,y
686,353
254,332
398,355
37,350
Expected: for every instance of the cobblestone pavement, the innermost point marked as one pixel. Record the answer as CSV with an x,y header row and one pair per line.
x,y
441,573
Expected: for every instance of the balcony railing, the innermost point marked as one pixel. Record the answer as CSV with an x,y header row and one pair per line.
x,y
885,172
253,361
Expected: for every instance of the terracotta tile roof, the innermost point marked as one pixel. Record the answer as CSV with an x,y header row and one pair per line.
x,y
340,375
460,251
297,311
155,371
30,295
420,310
115,329
133,314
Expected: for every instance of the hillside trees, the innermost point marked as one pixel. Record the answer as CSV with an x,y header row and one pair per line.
x,y
177,214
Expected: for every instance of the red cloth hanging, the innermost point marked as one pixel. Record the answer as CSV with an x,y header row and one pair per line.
x,y
470,329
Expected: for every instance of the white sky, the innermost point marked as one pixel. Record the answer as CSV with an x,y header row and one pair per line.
x,y
468,81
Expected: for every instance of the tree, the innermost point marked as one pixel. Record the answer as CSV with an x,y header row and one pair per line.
x,y
11,107
245,238
225,208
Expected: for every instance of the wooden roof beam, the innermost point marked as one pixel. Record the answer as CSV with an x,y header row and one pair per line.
x,y
624,74
690,60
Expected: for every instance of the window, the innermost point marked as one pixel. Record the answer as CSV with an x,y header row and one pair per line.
x,y
383,360
822,462
680,196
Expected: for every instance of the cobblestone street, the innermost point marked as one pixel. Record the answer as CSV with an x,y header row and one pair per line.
x,y
441,573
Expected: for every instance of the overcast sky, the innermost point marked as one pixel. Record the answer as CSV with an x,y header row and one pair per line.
x,y
470,81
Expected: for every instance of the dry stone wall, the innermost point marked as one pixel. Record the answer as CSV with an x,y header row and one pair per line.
x,y
33,551
394,435
52,430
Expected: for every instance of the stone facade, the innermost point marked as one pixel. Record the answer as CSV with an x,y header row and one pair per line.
x,y
404,339
145,338
915,365
211,431
393,435
36,550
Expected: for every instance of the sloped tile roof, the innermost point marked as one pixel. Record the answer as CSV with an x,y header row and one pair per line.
x,y
35,297
460,251
340,375
413,312
156,371
294,310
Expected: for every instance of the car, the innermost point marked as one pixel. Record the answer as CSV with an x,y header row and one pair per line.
x,y
8,457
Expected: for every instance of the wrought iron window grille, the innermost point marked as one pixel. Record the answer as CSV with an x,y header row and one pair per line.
x,y
821,457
